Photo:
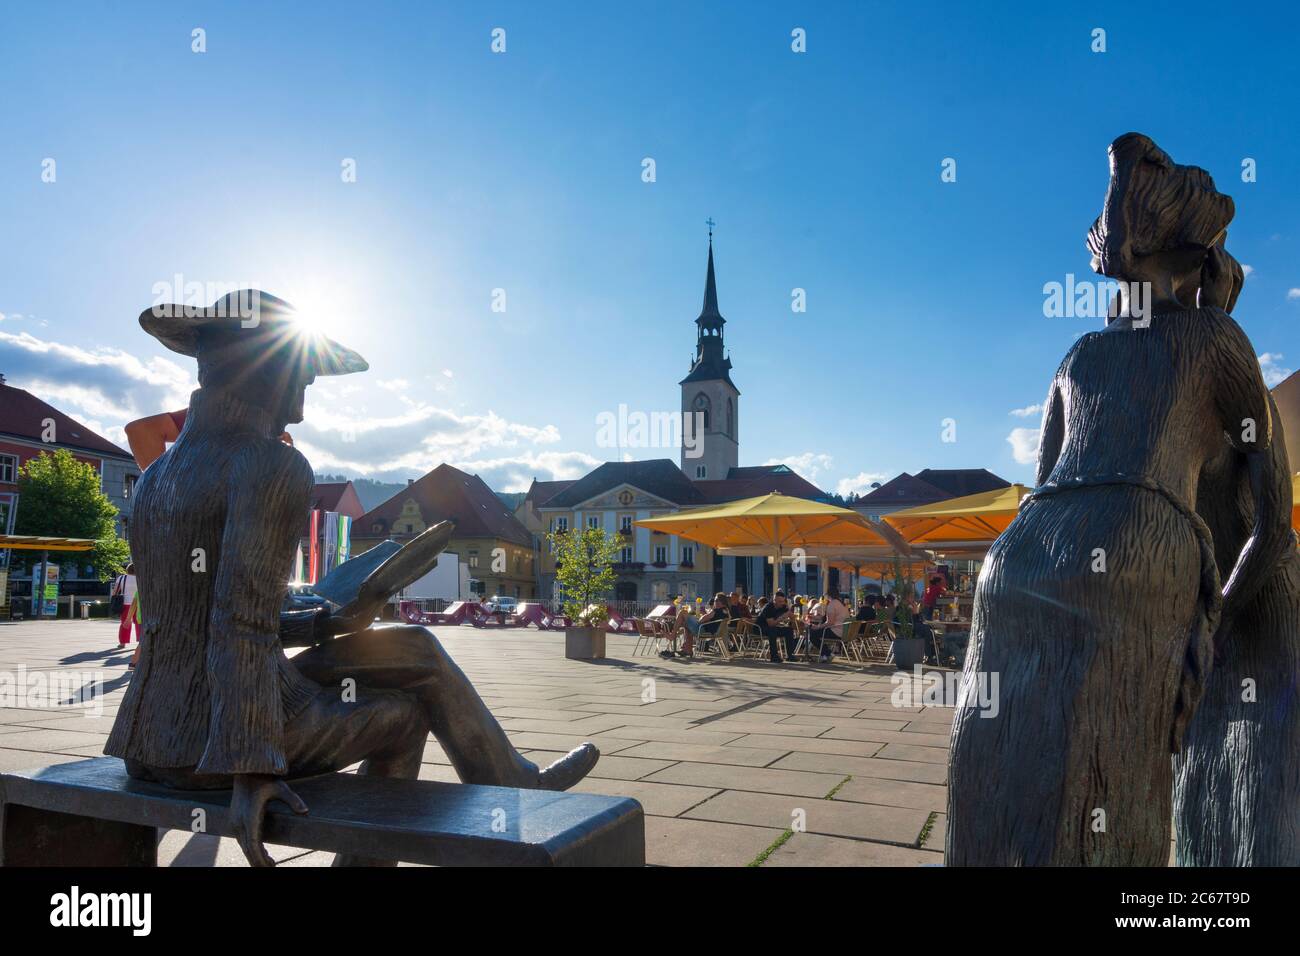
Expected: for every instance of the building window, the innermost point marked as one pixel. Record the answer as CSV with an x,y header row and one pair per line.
x,y
626,523
626,556
473,559
659,590
593,521
701,471
561,525
690,591
702,407
128,486
8,469
661,554
688,554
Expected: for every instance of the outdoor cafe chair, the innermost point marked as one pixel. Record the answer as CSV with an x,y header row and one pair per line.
x,y
649,634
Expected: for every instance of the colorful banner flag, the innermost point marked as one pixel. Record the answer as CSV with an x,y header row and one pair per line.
x,y
345,538
331,541
313,552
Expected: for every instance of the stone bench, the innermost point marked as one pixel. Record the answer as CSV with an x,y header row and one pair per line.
x,y
90,813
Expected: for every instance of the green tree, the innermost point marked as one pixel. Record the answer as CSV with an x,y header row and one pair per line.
x,y
59,496
584,566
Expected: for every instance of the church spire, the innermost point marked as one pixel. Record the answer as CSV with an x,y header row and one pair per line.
x,y
710,320
710,360
710,310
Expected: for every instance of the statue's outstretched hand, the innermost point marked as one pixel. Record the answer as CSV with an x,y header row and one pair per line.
x,y
252,792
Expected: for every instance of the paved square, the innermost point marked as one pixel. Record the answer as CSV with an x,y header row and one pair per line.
x,y
735,762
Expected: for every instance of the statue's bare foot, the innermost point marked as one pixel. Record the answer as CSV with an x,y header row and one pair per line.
x,y
569,769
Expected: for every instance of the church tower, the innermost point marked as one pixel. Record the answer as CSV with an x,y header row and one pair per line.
x,y
710,401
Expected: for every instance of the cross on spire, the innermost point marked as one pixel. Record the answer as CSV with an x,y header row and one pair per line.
x,y
710,223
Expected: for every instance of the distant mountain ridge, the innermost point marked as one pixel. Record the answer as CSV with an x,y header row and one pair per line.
x,y
372,493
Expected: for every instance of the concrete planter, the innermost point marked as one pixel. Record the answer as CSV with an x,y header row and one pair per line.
x,y
584,643
908,652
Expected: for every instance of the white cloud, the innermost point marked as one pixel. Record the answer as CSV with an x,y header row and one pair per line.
x,y
859,484
808,464
1270,363
1024,445
1248,271
1027,412
516,473
104,388
1292,294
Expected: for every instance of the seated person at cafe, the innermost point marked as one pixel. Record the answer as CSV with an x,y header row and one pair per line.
x,y
774,623
688,625
738,606
867,609
834,615
715,618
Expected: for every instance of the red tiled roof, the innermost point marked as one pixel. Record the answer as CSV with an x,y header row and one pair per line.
x,y
448,492
22,415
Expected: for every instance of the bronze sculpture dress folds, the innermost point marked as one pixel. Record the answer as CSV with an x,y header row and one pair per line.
x,y
1099,604
215,701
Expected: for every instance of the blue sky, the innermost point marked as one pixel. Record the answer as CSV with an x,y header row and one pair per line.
x,y
522,171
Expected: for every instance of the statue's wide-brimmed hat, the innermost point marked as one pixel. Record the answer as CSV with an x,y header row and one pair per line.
x,y
260,314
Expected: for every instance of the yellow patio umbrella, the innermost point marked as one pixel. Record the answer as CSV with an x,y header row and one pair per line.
x,y
773,523
971,520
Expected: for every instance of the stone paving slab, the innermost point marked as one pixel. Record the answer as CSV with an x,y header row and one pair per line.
x,y
829,817
894,793
674,841
814,849
816,745
763,780
703,753
865,766
657,799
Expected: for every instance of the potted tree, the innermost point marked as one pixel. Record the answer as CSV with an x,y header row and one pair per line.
x,y
584,561
909,650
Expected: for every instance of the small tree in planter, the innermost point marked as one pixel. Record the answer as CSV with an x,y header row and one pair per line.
x,y
909,649
584,567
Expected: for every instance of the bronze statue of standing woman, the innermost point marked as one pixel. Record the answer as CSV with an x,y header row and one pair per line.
x,y
1098,605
